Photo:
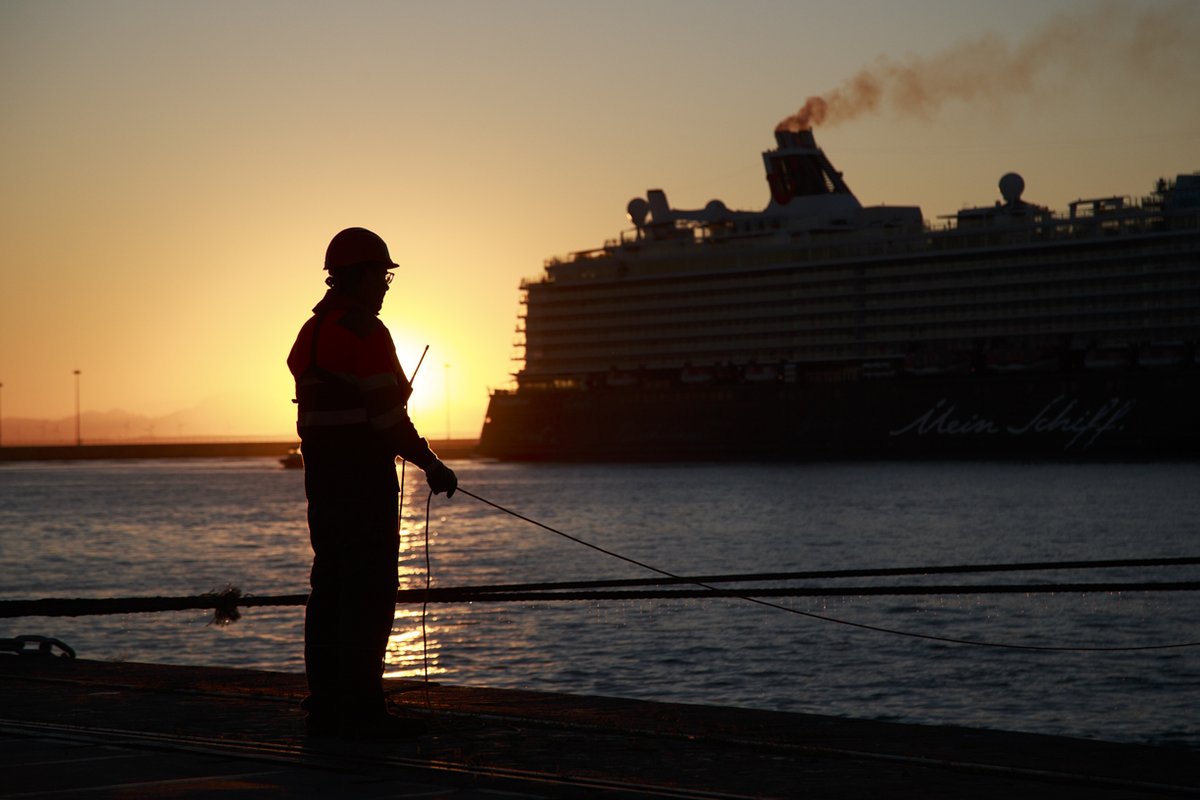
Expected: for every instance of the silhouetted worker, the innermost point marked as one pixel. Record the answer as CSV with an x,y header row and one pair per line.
x,y
353,423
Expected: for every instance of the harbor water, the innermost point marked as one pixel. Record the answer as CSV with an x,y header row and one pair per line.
x,y
185,527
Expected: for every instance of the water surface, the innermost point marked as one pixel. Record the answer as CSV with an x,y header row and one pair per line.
x,y
101,529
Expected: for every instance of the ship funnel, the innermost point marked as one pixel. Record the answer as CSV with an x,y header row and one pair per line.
x,y
788,140
799,169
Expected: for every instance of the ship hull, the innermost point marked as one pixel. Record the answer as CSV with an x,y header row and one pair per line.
x,y
1085,416
821,328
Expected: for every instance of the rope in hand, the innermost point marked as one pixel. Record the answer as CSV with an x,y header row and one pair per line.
x,y
821,617
428,585
425,607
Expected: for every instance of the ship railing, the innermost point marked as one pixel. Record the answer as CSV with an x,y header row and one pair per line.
x,y
579,255
1100,206
1122,213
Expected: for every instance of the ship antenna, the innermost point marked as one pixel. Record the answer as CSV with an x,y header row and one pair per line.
x,y
413,377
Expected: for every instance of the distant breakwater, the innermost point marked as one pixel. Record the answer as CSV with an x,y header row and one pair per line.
x,y
450,448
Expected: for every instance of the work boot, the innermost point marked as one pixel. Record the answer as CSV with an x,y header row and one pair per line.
x,y
375,726
385,726
318,725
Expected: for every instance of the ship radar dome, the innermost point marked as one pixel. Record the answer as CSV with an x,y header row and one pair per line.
x,y
716,210
637,210
1011,187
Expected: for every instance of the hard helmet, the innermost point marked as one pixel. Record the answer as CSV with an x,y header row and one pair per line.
x,y
355,246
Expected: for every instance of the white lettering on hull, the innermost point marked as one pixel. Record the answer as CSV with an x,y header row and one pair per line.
x,y
1061,416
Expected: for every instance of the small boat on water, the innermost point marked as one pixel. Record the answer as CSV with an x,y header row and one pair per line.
x,y
293,459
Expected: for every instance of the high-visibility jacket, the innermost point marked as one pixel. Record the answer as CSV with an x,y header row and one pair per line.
x,y
351,391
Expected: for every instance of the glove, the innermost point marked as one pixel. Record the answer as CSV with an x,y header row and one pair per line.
x,y
441,479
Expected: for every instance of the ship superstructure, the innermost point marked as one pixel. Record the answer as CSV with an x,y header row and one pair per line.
x,y
818,326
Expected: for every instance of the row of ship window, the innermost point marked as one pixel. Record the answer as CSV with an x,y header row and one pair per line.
x,y
1172,277
1088,263
1181,324
1163,302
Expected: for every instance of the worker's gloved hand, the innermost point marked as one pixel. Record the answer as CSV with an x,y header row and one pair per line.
x,y
441,479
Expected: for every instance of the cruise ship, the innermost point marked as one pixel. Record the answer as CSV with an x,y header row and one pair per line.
x,y
822,328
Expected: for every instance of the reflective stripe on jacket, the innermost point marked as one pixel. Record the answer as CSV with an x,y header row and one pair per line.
x,y
350,388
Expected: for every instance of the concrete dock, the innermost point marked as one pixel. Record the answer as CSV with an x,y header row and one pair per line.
x,y
76,728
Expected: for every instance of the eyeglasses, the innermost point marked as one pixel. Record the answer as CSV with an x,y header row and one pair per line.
x,y
387,278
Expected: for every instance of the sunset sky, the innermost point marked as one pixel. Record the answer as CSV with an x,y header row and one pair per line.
x,y
172,170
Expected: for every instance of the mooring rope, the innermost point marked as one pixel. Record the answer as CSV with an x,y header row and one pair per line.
x,y
469,594
226,602
425,609
751,577
825,618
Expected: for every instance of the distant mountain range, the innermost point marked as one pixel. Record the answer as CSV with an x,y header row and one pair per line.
x,y
122,426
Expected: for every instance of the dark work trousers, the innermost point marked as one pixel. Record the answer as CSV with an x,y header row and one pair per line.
x,y
354,531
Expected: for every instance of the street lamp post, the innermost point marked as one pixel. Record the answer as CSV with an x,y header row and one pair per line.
x,y
78,434
447,375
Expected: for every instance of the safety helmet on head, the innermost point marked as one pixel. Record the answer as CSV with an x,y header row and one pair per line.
x,y
355,246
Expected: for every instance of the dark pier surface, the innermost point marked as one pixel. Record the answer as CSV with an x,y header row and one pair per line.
x,y
116,730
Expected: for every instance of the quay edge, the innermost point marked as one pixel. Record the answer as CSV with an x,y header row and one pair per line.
x,y
542,744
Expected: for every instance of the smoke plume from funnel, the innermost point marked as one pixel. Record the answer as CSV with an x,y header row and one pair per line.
x,y
1114,38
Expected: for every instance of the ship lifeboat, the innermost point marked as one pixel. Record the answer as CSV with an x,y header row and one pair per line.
x,y
1107,357
760,373
1158,355
878,369
615,378
937,362
1021,359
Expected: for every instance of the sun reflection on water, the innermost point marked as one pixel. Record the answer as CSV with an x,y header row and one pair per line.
x,y
408,650
413,647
